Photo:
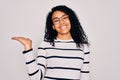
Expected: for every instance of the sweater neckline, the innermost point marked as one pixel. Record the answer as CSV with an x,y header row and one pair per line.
x,y
67,40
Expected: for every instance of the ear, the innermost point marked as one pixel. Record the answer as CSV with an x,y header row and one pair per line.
x,y
53,27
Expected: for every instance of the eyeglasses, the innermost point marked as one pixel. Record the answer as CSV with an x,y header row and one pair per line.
x,y
57,20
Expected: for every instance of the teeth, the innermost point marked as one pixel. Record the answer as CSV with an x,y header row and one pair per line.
x,y
63,27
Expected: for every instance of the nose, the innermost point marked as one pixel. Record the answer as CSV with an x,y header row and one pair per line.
x,y
61,21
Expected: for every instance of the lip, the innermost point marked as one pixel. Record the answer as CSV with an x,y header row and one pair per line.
x,y
62,27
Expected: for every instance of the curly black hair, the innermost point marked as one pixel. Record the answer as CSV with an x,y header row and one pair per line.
x,y
76,30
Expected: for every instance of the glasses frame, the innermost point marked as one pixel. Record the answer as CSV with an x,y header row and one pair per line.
x,y
63,18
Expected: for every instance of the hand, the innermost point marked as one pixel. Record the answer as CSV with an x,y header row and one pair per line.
x,y
26,42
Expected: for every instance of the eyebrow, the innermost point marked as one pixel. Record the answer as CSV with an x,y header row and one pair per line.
x,y
59,17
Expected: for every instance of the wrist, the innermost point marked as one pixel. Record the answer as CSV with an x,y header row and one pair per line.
x,y
28,47
27,51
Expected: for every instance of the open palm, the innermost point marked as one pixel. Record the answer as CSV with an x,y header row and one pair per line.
x,y
26,42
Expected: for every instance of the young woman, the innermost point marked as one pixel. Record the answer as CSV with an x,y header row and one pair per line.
x,y
64,53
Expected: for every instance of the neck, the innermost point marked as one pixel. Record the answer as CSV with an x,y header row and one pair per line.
x,y
64,37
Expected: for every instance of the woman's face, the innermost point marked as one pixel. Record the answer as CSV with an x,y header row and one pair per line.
x,y
61,23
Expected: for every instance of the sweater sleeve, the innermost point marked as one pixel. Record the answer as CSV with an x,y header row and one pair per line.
x,y
35,65
85,68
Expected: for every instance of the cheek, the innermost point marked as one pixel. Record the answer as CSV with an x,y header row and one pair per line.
x,y
69,24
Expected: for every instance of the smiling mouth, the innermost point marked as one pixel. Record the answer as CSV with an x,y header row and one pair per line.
x,y
62,27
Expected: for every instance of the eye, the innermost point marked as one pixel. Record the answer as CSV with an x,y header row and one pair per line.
x,y
65,17
56,20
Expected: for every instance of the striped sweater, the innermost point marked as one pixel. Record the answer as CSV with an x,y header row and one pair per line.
x,y
64,61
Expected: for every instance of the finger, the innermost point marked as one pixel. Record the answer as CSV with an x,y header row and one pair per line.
x,y
13,38
17,38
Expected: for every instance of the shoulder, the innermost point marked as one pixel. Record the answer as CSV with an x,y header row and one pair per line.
x,y
86,48
44,44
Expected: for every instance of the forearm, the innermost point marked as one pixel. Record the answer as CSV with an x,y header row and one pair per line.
x,y
33,69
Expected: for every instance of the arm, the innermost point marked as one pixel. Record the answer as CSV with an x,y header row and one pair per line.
x,y
35,70
35,66
85,68
32,67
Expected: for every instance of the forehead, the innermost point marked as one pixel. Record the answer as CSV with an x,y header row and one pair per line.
x,y
58,14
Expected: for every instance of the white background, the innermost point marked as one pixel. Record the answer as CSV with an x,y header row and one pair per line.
x,y
99,18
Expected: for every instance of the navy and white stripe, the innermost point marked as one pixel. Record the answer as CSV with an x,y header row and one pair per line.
x,y
63,62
